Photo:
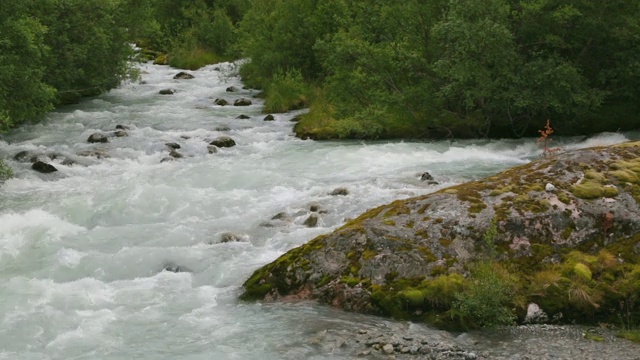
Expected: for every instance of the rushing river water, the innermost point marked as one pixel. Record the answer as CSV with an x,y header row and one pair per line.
x,y
82,250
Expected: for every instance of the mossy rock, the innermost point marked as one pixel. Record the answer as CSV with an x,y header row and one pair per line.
x,y
573,251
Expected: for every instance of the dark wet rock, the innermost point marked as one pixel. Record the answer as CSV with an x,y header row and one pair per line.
x,y
243,117
120,133
221,102
269,118
212,149
175,268
232,89
314,207
167,92
222,128
223,141
97,138
382,261
97,153
242,102
339,191
183,76
167,159
173,145
122,127
312,220
426,177
295,119
185,137
175,154
43,167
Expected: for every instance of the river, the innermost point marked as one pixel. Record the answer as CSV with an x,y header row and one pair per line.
x,y
82,250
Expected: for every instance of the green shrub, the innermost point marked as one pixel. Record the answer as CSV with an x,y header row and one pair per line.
x,y
488,299
192,59
286,91
5,171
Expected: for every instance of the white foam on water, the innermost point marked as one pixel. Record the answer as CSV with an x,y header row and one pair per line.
x,y
83,250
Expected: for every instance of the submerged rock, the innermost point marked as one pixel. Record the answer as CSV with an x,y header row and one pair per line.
x,y
171,267
97,153
243,117
120,133
341,191
409,258
425,176
312,220
172,145
231,89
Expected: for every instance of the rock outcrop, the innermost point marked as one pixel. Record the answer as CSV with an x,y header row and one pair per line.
x,y
408,258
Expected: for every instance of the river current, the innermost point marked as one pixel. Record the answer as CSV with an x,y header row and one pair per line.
x,y
82,250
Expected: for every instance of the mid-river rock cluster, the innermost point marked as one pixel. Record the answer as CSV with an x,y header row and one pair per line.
x,y
380,262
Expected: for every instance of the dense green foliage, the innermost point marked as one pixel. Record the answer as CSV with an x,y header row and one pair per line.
x,y
194,33
452,67
367,69
55,51
5,171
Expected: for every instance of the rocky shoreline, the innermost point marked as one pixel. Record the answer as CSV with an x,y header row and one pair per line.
x,y
415,341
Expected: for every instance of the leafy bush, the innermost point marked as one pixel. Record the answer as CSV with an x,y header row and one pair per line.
x,y
5,171
488,299
286,91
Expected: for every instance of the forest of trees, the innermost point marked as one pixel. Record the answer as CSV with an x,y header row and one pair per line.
x,y
366,68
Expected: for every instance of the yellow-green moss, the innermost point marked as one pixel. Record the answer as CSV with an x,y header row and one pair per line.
x,y
588,190
413,297
625,175
583,271
562,196
610,191
350,281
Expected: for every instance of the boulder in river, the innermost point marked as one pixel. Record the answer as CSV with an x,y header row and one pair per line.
x,y
242,102
243,117
269,118
43,167
341,191
122,127
504,237
223,141
426,177
220,102
175,154
97,138
183,76
172,145
212,149
312,220
120,133
167,92
231,89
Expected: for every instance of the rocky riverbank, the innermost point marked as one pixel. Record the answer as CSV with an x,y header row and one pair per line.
x,y
522,342
561,233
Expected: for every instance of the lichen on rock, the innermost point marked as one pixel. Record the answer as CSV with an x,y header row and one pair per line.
x,y
409,258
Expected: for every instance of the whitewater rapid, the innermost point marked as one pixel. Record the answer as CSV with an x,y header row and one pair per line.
x,y
82,250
